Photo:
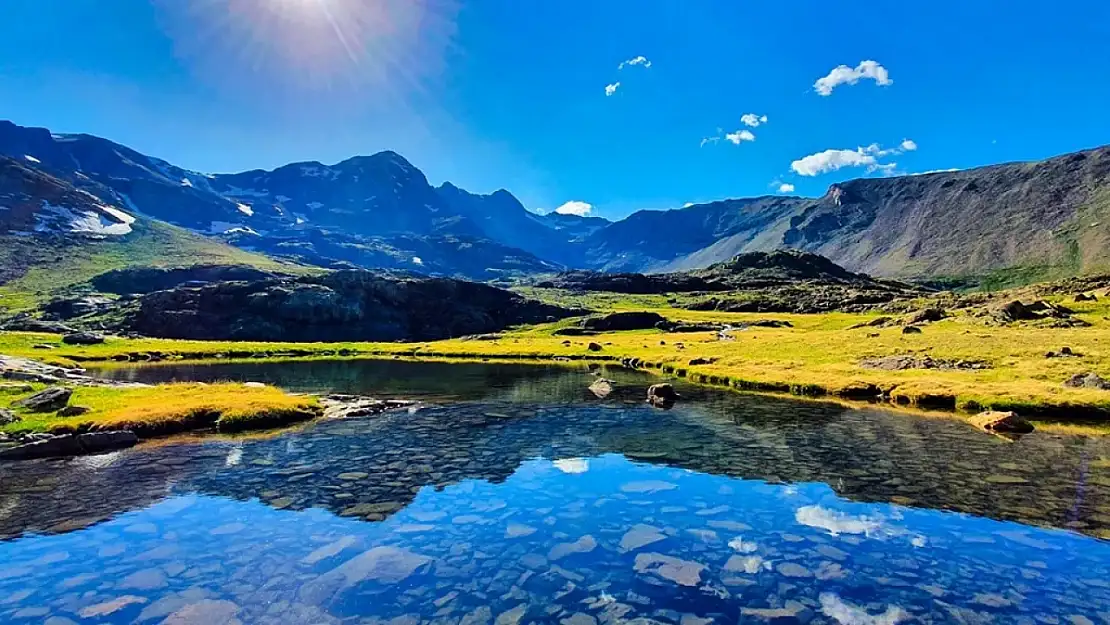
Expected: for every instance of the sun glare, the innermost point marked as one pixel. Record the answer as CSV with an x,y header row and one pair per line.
x,y
314,42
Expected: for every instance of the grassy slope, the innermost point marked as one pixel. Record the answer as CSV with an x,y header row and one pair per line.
x,y
36,270
169,408
819,355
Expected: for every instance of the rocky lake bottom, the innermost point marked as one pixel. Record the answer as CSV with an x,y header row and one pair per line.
x,y
514,495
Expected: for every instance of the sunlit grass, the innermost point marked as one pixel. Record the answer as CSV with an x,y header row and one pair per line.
x,y
171,408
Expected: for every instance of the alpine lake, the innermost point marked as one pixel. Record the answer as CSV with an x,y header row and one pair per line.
x,y
512,494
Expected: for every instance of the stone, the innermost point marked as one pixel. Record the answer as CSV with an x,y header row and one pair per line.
x,y
647,486
788,614
83,338
97,442
1087,380
512,616
622,321
744,564
1001,422
7,417
640,536
146,579
384,565
1086,297
55,446
109,607
73,411
481,615
681,572
602,387
578,618
791,569
205,612
47,400
594,347
911,330
662,395
927,315
584,544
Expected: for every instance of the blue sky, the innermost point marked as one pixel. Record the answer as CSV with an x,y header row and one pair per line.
x,y
512,93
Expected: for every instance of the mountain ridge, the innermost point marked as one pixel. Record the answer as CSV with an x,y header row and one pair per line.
x,y
1052,215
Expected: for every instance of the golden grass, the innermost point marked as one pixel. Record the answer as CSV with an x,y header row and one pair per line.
x,y
170,408
819,355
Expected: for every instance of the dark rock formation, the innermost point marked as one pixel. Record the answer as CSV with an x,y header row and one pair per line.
x,y
622,321
48,400
83,338
1001,422
662,395
1087,380
138,280
341,306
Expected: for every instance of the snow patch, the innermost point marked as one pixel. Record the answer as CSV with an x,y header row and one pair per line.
x,y
239,192
31,158
55,217
245,209
185,182
118,214
300,220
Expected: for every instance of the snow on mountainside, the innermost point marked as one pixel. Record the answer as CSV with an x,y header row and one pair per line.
x,y
34,202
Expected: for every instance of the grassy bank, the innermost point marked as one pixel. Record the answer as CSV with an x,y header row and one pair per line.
x,y
168,408
818,356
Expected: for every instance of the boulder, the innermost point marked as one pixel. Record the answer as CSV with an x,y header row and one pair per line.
x,y
621,321
73,411
927,315
7,416
1001,422
911,330
877,322
97,442
1085,297
68,308
702,361
48,400
71,445
594,347
662,395
83,338
1087,380
602,387
573,332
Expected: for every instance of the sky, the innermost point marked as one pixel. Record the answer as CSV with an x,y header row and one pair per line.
x,y
599,107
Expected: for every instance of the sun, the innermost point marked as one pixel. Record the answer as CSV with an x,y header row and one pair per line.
x,y
314,42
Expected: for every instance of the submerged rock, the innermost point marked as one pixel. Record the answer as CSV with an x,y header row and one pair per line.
x,y
1001,422
681,572
662,395
602,387
385,565
71,445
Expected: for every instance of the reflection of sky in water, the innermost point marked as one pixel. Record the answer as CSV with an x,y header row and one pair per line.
x,y
579,538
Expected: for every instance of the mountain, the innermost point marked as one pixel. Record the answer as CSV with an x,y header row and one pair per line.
x,y
1050,218
574,227
54,235
1047,219
652,240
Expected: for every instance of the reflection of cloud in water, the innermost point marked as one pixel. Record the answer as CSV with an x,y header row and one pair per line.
x,y
738,545
234,457
836,522
847,614
572,465
100,461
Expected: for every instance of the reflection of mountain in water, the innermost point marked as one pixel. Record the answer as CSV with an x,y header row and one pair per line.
x,y
369,468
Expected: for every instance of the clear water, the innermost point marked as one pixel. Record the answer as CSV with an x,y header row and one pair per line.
x,y
518,497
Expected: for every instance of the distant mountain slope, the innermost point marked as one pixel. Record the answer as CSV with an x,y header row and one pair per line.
x,y
653,240
1053,213
53,235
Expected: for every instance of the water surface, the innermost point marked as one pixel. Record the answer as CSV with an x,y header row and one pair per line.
x,y
518,496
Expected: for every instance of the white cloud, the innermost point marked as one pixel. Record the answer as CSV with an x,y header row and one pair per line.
x,y
713,140
611,89
416,260
740,135
844,75
753,120
786,187
574,207
639,60
832,160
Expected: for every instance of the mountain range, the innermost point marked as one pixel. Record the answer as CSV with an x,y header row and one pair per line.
x,y
380,211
